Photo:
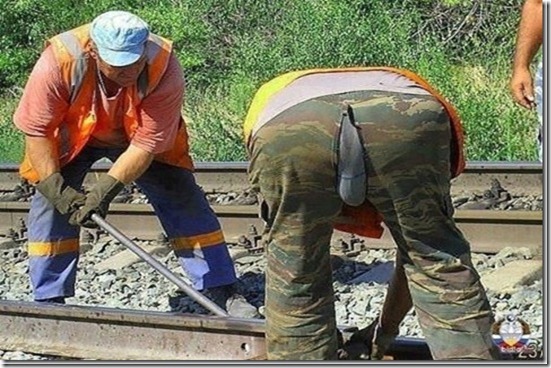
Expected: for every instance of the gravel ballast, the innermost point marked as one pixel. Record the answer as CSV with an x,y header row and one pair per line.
x,y
359,292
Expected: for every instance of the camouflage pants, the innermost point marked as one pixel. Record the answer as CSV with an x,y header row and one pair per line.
x,y
293,168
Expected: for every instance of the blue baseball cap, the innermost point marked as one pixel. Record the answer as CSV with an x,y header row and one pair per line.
x,y
120,37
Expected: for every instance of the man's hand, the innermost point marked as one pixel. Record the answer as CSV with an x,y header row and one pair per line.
x,y
97,201
370,343
522,88
64,198
529,39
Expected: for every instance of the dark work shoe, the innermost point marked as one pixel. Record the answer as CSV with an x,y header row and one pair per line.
x,y
56,300
227,298
219,295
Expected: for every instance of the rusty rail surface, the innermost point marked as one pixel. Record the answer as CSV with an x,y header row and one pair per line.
x,y
83,332
98,333
232,176
114,334
488,231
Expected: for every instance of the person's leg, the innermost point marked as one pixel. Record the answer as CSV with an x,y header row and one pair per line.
x,y
291,167
190,224
53,243
374,340
409,183
195,234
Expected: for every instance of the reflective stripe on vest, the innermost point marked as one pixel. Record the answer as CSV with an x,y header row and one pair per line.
x,y
72,45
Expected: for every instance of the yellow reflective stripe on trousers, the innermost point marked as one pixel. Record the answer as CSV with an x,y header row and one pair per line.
x,y
44,249
198,241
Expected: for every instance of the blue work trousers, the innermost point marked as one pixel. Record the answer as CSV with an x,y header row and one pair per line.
x,y
181,206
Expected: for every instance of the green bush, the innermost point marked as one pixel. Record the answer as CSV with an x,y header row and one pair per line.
x,y
230,48
11,147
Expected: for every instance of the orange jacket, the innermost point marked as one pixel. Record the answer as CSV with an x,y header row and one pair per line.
x,y
79,73
363,220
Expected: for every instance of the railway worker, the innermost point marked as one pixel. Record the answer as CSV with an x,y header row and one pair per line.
x,y
347,149
112,89
529,39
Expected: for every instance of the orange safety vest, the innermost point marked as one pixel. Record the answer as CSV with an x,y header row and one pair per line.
x,y
71,50
363,220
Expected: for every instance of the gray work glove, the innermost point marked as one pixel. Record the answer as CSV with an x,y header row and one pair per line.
x,y
64,198
97,201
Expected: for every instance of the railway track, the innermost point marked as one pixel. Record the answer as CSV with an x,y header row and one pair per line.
x,y
81,332
489,231
232,176
107,334
96,333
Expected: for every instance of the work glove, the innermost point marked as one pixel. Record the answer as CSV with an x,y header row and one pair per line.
x,y
368,343
64,198
381,342
97,201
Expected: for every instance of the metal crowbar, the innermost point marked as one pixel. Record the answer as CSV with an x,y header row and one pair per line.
x,y
189,290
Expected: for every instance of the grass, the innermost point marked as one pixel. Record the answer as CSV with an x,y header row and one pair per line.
x,y
496,128
11,140
228,49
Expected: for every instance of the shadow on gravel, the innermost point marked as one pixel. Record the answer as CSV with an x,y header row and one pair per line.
x,y
351,272
251,284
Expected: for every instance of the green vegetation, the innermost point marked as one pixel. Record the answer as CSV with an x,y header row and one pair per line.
x,y
229,48
10,139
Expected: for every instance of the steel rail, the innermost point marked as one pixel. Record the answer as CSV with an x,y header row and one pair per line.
x,y
232,176
114,334
107,334
488,231
99,333
229,166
